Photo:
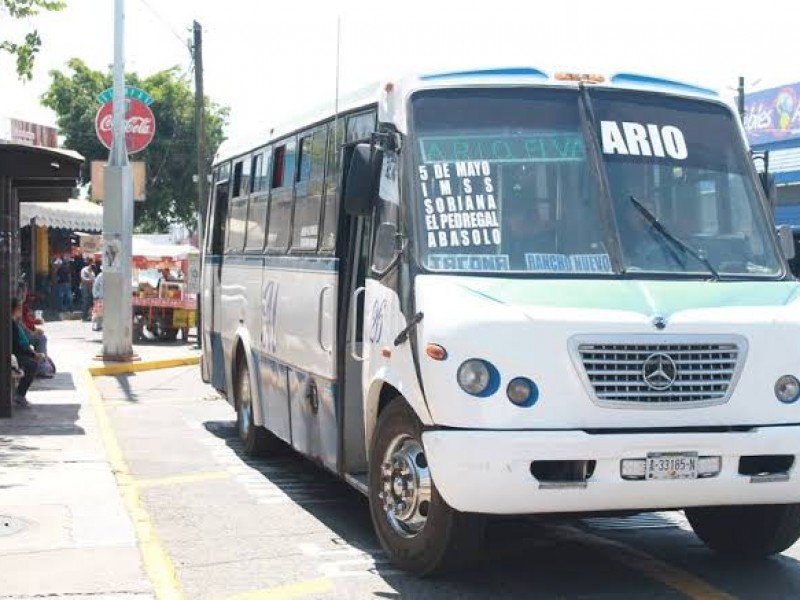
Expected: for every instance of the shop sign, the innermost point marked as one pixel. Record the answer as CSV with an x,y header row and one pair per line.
x,y
773,115
140,123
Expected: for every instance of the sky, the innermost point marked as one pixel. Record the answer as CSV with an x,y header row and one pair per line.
x,y
268,61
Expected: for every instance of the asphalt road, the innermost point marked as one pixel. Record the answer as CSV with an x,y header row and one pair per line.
x,y
283,527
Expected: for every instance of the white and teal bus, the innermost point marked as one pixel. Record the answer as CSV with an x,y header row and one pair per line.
x,y
502,292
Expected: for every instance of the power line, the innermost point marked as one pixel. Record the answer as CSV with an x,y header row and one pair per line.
x,y
165,23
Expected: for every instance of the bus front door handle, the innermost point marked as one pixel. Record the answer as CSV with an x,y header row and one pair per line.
x,y
321,315
354,324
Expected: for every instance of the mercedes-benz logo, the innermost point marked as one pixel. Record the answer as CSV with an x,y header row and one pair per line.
x,y
659,371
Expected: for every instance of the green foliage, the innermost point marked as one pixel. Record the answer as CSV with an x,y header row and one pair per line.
x,y
25,51
171,157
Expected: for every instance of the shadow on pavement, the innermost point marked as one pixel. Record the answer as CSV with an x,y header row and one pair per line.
x,y
42,419
60,381
520,555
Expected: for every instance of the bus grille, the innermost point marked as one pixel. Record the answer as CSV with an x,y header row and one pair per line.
x,y
659,373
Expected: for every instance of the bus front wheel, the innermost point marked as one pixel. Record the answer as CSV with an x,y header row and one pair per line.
x,y
257,440
421,533
748,531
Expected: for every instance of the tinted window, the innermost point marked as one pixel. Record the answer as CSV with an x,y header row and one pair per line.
x,y
217,228
308,190
259,203
280,212
237,221
331,187
237,179
246,164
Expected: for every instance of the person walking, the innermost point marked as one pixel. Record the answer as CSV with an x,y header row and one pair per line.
x,y
87,283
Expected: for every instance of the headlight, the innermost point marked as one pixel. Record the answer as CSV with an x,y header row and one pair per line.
x,y
522,391
477,377
787,388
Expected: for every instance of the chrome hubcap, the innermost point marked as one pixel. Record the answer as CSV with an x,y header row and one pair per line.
x,y
405,486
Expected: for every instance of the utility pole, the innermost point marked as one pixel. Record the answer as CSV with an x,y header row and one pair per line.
x,y
200,126
200,122
118,218
740,96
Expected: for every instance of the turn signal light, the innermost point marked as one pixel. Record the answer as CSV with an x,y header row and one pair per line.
x,y
582,77
436,352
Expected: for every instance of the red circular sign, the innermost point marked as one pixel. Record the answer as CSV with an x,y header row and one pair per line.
x,y
140,125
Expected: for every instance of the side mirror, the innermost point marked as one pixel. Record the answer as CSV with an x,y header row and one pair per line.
x,y
363,176
786,239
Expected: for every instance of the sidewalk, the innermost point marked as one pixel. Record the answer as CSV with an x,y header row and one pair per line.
x,y
64,530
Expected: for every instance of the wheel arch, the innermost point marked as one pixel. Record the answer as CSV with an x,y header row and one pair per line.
x,y
242,350
381,391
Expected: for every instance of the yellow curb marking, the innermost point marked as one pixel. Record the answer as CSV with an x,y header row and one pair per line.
x,y
292,590
179,479
133,367
157,562
636,559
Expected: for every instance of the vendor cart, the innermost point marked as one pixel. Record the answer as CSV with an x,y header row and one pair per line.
x,y
163,304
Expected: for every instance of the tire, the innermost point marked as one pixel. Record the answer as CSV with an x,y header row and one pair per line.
x,y
747,531
419,539
257,440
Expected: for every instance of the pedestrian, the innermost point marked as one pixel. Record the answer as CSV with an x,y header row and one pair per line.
x,y
87,283
64,284
97,292
27,358
76,264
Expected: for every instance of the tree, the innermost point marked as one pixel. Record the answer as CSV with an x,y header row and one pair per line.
x,y
25,51
171,157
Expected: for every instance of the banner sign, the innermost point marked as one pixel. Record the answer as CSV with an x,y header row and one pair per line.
x,y
773,115
140,123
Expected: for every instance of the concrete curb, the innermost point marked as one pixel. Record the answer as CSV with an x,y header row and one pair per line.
x,y
150,365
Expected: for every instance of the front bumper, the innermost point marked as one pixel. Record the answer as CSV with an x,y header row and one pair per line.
x,y
490,471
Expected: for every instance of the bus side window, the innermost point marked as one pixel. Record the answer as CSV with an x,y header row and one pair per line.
x,y
330,217
280,202
219,216
360,126
259,202
237,217
308,191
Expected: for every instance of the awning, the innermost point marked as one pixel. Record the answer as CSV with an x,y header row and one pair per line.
x,y
74,214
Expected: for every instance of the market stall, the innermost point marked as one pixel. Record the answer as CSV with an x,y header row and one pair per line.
x,y
164,300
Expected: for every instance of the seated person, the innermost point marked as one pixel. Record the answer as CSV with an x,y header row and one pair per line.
x,y
27,358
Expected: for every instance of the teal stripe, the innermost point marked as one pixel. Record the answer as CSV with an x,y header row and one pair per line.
x,y
646,297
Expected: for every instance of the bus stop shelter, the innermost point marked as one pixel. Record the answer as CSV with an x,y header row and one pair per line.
x,y
27,174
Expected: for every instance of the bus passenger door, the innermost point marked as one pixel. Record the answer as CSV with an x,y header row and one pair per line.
x,y
354,459
213,356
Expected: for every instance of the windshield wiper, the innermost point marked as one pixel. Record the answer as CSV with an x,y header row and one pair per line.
x,y
659,226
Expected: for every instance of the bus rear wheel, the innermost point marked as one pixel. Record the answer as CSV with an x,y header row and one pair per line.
x,y
748,531
421,533
257,440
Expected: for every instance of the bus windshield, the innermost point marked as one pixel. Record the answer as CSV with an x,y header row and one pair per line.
x,y
505,182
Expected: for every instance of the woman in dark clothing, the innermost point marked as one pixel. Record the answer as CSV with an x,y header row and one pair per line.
x,y
27,359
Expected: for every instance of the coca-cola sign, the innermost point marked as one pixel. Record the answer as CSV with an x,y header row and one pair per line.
x,y
140,123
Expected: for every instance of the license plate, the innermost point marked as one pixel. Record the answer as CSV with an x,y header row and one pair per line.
x,y
671,465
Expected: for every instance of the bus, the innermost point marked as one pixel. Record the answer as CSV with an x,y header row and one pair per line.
x,y
508,292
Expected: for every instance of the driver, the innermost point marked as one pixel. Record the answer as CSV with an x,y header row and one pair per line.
x,y
531,227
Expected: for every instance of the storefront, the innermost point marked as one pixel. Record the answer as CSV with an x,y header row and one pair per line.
x,y
50,230
27,174
772,122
